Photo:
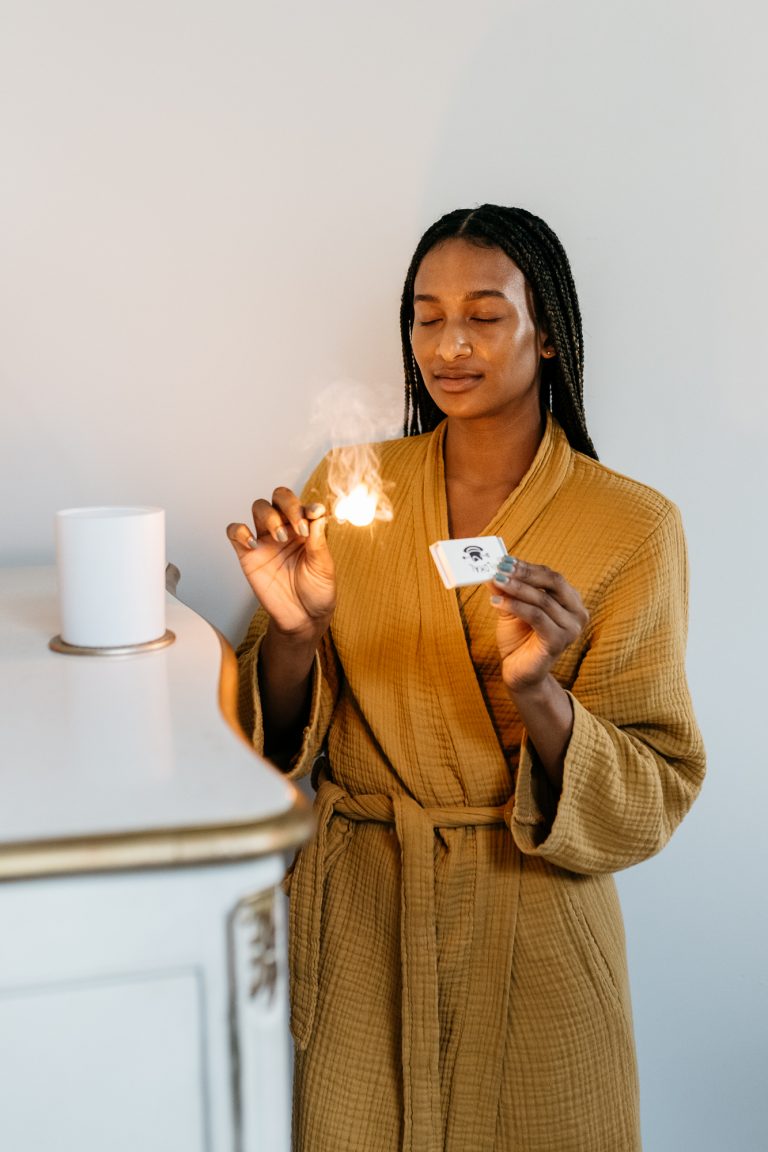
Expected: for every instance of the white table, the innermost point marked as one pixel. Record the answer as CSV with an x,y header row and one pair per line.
x,y
143,994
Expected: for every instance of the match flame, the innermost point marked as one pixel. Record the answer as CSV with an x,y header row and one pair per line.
x,y
358,506
357,487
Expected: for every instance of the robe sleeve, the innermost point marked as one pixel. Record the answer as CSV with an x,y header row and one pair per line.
x,y
325,676
635,760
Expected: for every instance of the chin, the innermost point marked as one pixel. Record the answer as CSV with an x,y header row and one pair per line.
x,y
465,403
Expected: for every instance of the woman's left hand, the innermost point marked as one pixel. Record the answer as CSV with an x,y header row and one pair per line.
x,y
539,615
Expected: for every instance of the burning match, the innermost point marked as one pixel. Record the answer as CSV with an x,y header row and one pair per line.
x,y
358,507
358,491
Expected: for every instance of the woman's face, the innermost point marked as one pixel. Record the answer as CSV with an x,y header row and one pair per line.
x,y
475,336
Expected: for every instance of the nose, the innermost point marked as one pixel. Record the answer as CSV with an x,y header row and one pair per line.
x,y
454,343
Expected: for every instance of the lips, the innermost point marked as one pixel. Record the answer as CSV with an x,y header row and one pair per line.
x,y
455,381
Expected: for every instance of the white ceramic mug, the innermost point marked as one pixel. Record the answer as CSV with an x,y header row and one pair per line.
x,y
110,566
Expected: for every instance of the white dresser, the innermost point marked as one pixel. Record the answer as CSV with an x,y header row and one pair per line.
x,y
143,996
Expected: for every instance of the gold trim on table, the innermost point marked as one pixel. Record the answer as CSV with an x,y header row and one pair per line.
x,y
163,847
160,848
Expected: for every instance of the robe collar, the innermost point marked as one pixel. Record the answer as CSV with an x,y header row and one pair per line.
x,y
549,468
467,720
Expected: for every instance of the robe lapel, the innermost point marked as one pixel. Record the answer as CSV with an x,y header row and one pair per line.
x,y
468,725
550,467
446,651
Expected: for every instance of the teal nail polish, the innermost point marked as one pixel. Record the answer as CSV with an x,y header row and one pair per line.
x,y
497,600
501,578
281,535
252,542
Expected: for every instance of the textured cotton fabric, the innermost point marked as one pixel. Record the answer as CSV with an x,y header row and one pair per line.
x,y
457,953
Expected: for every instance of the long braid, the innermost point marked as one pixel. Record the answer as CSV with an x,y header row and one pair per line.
x,y
540,256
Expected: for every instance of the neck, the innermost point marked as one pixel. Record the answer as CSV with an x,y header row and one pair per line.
x,y
491,454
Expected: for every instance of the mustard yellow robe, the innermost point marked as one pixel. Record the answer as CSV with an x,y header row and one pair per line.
x,y
457,953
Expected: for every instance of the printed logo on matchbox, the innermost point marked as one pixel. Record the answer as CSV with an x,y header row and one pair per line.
x,y
468,561
480,560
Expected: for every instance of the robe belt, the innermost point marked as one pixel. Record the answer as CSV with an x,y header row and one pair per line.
x,y
415,828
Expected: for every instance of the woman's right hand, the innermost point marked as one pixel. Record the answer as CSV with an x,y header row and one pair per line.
x,y
288,564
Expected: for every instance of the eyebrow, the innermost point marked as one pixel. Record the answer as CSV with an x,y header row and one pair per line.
x,y
478,295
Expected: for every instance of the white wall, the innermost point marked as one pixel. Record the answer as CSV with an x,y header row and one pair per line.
x,y
206,211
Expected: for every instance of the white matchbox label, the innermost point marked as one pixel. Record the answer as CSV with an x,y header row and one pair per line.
x,y
470,561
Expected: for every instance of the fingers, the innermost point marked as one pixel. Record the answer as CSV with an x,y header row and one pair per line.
x,y
318,521
285,517
542,598
520,574
241,538
282,520
271,520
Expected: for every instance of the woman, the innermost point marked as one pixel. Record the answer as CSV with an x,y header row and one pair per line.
x,y
490,756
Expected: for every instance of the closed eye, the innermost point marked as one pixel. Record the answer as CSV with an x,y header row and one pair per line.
x,y
473,319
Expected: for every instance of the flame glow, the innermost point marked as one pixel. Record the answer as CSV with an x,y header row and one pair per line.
x,y
358,490
358,506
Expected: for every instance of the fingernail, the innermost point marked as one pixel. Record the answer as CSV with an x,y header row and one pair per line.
x,y
501,578
507,563
303,528
497,600
281,536
252,542
315,509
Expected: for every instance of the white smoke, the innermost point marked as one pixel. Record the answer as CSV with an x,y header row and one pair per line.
x,y
347,420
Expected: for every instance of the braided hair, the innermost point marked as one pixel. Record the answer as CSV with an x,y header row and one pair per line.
x,y
540,256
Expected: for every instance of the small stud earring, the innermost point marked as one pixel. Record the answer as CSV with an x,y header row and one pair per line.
x,y
548,352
